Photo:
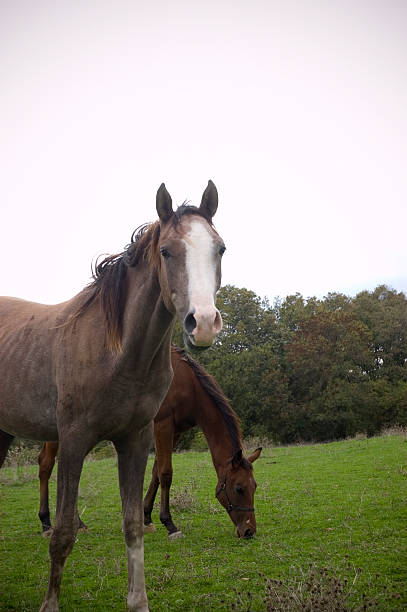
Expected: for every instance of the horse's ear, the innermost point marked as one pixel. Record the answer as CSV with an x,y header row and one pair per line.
x,y
255,455
237,458
209,202
164,204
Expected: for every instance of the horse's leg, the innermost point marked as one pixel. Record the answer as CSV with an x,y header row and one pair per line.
x,y
165,443
132,453
150,498
46,462
72,452
5,441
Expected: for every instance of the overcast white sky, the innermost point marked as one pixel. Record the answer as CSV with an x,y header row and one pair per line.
x,y
297,110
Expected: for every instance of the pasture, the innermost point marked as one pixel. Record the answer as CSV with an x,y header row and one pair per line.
x,y
332,535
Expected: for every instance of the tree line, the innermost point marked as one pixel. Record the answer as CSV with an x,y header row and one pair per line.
x,y
312,369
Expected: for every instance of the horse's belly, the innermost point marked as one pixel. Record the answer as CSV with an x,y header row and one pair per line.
x,y
27,388
27,401
27,419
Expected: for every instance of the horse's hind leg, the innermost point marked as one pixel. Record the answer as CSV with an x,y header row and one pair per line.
x,y
5,441
132,453
46,462
150,498
165,442
70,462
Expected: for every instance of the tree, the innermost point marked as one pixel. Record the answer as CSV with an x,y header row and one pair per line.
x,y
327,359
258,389
312,369
247,320
384,312
327,346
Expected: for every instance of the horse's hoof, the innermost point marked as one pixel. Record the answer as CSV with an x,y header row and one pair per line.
x,y
49,606
176,535
150,528
134,604
47,533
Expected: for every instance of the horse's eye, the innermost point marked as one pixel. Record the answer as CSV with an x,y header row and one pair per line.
x,y
222,250
164,252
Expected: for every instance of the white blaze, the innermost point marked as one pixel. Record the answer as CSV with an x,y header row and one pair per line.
x,y
200,266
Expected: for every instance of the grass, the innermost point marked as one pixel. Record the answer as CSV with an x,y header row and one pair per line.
x,y
331,536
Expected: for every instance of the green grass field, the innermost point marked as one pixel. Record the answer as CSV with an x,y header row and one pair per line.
x,y
332,535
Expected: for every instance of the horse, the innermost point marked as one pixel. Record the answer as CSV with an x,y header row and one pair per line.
x,y
98,366
194,398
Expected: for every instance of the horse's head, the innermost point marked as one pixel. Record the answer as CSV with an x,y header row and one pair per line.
x,y
235,491
190,270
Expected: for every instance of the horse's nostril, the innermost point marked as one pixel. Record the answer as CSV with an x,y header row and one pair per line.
x,y
248,533
218,322
189,323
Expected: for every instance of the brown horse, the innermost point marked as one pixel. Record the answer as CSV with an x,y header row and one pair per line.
x,y
98,366
194,398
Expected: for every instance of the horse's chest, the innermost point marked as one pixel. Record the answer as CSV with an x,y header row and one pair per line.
x,y
129,403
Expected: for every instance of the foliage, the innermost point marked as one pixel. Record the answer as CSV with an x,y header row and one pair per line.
x,y
384,312
22,452
310,369
313,590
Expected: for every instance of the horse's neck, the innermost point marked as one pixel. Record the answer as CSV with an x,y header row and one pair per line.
x,y
147,328
215,430
147,324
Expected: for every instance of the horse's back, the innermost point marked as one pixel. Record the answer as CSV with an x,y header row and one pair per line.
x,y
179,404
27,389
15,312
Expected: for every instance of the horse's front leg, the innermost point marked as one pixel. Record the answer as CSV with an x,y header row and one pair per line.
x,y
72,453
132,453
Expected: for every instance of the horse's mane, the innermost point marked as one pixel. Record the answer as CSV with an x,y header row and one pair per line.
x,y
108,275
220,400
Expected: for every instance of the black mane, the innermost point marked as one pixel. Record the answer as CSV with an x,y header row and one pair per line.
x,y
215,392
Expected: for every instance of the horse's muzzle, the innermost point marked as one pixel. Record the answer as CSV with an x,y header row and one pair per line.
x,y
201,328
249,533
246,530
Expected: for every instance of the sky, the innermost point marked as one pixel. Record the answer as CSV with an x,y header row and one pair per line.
x,y
297,110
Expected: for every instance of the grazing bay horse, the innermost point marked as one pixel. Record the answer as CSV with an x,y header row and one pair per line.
x,y
98,366
194,398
